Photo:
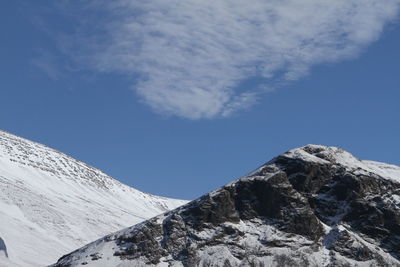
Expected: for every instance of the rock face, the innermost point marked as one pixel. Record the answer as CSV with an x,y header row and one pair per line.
x,y
51,203
3,248
312,206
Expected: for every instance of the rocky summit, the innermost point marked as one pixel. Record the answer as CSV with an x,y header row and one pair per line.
x,y
311,206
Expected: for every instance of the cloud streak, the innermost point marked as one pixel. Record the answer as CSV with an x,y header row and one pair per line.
x,y
192,56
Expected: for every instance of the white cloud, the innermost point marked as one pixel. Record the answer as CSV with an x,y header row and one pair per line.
x,y
192,55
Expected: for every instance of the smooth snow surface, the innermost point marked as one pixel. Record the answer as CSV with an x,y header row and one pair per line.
x,y
51,204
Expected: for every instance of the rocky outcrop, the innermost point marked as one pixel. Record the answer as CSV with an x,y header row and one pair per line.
x,y
3,248
312,206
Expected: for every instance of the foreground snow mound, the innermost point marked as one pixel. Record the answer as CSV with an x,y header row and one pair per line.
x,y
51,203
312,206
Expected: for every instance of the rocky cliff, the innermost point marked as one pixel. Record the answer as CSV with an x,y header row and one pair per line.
x,y
312,206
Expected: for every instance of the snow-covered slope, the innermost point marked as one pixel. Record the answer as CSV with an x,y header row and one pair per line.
x,y
312,206
51,203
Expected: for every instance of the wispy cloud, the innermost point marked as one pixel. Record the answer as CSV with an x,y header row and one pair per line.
x,y
46,63
192,55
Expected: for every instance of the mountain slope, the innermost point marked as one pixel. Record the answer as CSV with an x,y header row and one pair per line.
x,y
312,206
51,203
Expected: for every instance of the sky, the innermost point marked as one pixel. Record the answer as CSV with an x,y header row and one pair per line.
x,y
177,98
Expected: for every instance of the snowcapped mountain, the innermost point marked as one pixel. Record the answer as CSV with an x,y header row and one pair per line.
x,y
311,206
51,203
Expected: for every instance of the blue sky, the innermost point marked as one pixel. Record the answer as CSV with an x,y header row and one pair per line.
x,y
140,104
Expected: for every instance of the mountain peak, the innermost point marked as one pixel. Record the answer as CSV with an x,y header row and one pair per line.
x,y
328,153
55,203
37,156
311,206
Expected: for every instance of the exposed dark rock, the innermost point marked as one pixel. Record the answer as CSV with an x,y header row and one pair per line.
x,y
280,207
3,247
348,247
95,256
141,243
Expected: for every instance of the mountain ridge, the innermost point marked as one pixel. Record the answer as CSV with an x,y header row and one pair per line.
x,y
311,206
55,203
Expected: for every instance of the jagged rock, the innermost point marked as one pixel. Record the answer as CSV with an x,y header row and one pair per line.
x,y
312,206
